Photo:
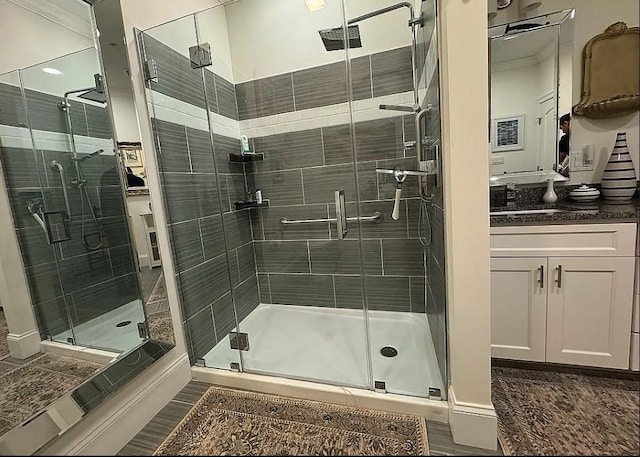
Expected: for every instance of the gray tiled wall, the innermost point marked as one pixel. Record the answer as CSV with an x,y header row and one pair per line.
x,y
306,264
199,206
375,75
66,276
44,114
178,80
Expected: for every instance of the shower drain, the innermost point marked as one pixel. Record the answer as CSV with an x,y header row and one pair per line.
x,y
123,323
389,351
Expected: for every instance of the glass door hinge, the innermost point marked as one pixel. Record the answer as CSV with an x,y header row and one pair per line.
x,y
380,386
239,341
200,55
200,363
150,71
235,366
434,393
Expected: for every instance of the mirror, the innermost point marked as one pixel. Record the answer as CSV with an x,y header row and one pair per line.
x,y
95,290
530,99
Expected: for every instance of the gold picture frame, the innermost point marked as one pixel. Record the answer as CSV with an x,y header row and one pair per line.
x,y
610,73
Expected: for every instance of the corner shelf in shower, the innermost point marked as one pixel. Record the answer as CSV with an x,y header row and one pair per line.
x,y
244,205
246,157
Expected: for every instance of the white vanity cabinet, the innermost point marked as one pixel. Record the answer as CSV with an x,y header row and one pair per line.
x,y
563,293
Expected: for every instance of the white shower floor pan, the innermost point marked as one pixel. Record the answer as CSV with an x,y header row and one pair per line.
x,y
102,332
328,345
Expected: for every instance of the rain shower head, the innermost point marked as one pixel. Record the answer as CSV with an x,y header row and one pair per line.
x,y
94,95
333,39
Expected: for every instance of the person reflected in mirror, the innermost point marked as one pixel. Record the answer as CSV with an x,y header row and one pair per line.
x,y
563,146
133,180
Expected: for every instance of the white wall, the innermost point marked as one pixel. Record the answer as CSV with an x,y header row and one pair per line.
x,y
592,17
124,114
28,38
464,83
513,92
270,37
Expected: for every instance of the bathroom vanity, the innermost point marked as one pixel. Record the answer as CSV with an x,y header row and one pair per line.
x,y
564,284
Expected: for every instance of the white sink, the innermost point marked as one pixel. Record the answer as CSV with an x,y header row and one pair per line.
x,y
523,212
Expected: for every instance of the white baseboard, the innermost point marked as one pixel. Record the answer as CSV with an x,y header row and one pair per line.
x,y
143,260
113,424
472,424
78,352
433,410
24,345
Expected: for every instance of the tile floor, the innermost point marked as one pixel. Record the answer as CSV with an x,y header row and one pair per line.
x,y
156,431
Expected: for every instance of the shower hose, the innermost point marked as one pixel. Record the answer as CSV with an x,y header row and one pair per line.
x,y
84,194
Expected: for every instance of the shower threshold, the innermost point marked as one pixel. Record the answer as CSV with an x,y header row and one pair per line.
x,y
327,345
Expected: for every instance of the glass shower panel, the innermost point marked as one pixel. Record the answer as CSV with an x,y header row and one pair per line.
x,y
86,271
195,196
404,324
298,277
23,173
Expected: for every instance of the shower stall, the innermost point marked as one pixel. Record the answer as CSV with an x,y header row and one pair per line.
x,y
67,203
302,186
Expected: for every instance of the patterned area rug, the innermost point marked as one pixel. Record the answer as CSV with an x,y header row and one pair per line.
x,y
4,331
29,388
158,314
548,413
230,422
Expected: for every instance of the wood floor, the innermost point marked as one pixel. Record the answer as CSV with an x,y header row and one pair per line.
x,y
155,432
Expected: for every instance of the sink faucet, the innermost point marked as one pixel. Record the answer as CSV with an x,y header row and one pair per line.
x,y
511,194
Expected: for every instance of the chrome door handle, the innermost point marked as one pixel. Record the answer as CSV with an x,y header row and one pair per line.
x,y
341,215
559,280
541,280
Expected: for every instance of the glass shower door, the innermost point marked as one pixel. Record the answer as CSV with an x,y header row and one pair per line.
x,y
301,308
82,273
405,299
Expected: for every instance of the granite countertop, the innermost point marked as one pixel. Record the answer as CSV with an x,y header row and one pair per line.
x,y
599,211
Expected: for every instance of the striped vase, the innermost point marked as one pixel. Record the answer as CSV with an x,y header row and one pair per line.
x,y
619,177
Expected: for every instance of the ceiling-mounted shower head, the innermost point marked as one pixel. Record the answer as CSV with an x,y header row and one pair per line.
x,y
333,39
96,94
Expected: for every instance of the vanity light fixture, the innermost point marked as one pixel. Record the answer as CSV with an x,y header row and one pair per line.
x,y
52,71
314,5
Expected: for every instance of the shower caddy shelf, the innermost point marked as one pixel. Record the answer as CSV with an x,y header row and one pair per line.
x,y
244,157
244,205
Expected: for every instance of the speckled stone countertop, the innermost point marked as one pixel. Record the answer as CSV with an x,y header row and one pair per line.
x,y
599,211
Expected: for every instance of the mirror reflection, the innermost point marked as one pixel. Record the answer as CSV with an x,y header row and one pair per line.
x,y
530,99
81,227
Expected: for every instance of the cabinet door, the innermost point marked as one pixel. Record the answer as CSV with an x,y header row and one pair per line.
x,y
589,311
518,308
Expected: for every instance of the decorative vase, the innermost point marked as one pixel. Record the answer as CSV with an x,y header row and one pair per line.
x,y
619,177
550,195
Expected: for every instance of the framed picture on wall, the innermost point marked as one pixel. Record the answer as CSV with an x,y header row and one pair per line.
x,y
132,157
508,133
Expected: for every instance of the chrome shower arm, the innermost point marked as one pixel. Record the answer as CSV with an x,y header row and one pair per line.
x,y
382,11
55,165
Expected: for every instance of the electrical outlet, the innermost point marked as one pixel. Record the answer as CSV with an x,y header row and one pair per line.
x,y
497,160
580,161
